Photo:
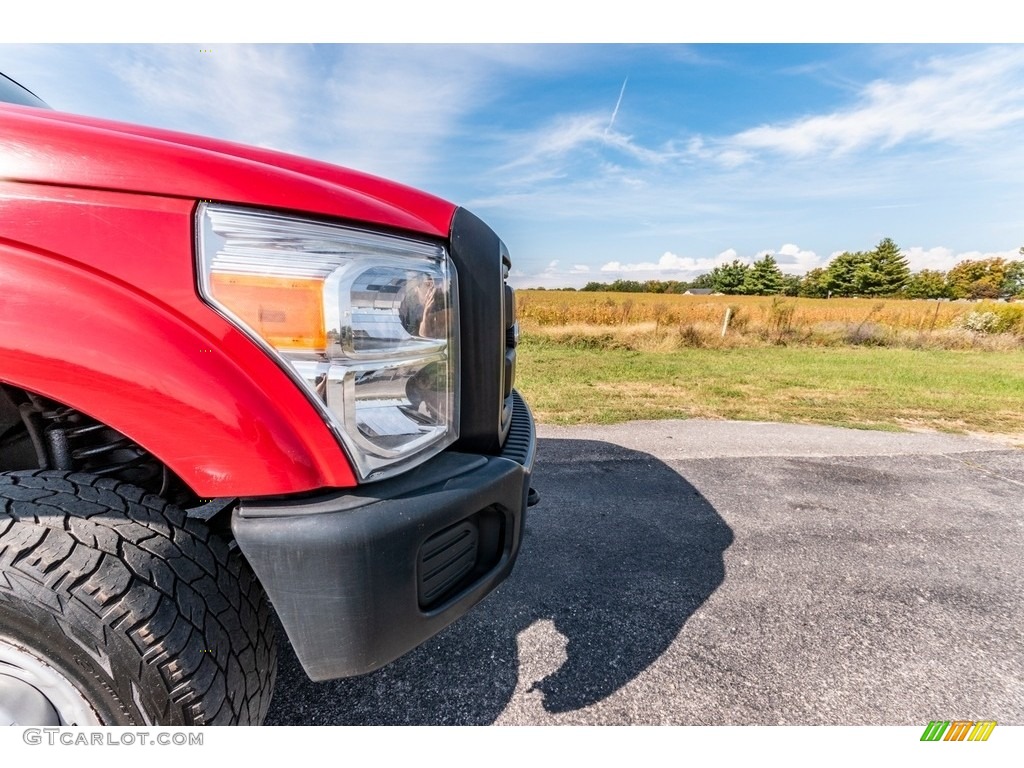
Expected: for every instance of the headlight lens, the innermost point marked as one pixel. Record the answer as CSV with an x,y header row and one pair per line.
x,y
366,322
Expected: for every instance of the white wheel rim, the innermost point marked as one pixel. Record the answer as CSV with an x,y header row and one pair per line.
x,y
28,673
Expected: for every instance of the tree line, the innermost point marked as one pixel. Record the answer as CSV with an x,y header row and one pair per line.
x,y
883,271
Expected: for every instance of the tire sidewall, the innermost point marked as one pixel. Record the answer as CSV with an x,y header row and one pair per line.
x,y
59,644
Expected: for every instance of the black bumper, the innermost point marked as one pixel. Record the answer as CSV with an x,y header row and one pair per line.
x,y
361,576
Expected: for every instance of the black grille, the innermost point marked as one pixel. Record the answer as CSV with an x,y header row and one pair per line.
x,y
445,559
487,363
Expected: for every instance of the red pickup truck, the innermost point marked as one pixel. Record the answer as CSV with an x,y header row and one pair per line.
x,y
237,388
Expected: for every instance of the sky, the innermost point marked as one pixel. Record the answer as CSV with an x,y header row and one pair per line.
x,y
606,161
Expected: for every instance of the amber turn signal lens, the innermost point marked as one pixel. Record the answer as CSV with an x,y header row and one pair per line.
x,y
288,312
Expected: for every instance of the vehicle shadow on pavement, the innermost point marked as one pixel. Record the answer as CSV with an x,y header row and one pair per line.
x,y
616,558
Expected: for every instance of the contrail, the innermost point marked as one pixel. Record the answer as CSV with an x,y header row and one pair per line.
x,y
618,103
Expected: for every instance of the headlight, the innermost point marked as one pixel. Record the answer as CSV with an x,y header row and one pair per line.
x,y
366,322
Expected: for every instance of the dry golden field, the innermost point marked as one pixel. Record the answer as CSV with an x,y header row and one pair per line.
x,y
667,321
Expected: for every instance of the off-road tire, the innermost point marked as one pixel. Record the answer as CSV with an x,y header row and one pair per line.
x,y
148,613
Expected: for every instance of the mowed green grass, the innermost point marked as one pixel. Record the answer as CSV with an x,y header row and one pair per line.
x,y
871,388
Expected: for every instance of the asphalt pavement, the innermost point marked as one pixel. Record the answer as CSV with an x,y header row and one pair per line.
x,y
704,572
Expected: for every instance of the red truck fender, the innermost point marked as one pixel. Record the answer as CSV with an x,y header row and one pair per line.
x,y
85,339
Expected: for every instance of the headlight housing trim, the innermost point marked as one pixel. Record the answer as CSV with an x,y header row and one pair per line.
x,y
365,323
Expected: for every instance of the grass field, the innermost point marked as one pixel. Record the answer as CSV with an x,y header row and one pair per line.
x,y
865,387
870,363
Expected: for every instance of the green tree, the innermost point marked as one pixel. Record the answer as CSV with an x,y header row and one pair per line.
x,y
729,278
676,286
885,270
791,285
844,274
927,284
813,284
702,281
626,286
979,278
1013,282
764,277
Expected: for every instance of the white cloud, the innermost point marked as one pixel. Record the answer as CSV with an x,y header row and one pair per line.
x,y
392,108
696,148
246,93
942,258
930,258
566,134
793,259
670,265
956,99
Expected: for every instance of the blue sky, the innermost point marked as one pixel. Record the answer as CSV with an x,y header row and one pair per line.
x,y
595,162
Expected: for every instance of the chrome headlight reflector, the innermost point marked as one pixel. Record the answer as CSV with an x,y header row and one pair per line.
x,y
366,322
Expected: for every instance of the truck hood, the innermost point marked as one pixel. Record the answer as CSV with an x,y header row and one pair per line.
x,y
48,147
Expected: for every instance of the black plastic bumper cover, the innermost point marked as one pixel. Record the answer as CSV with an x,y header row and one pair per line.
x,y
341,569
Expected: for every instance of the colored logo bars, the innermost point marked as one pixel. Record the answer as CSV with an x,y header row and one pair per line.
x,y
958,730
